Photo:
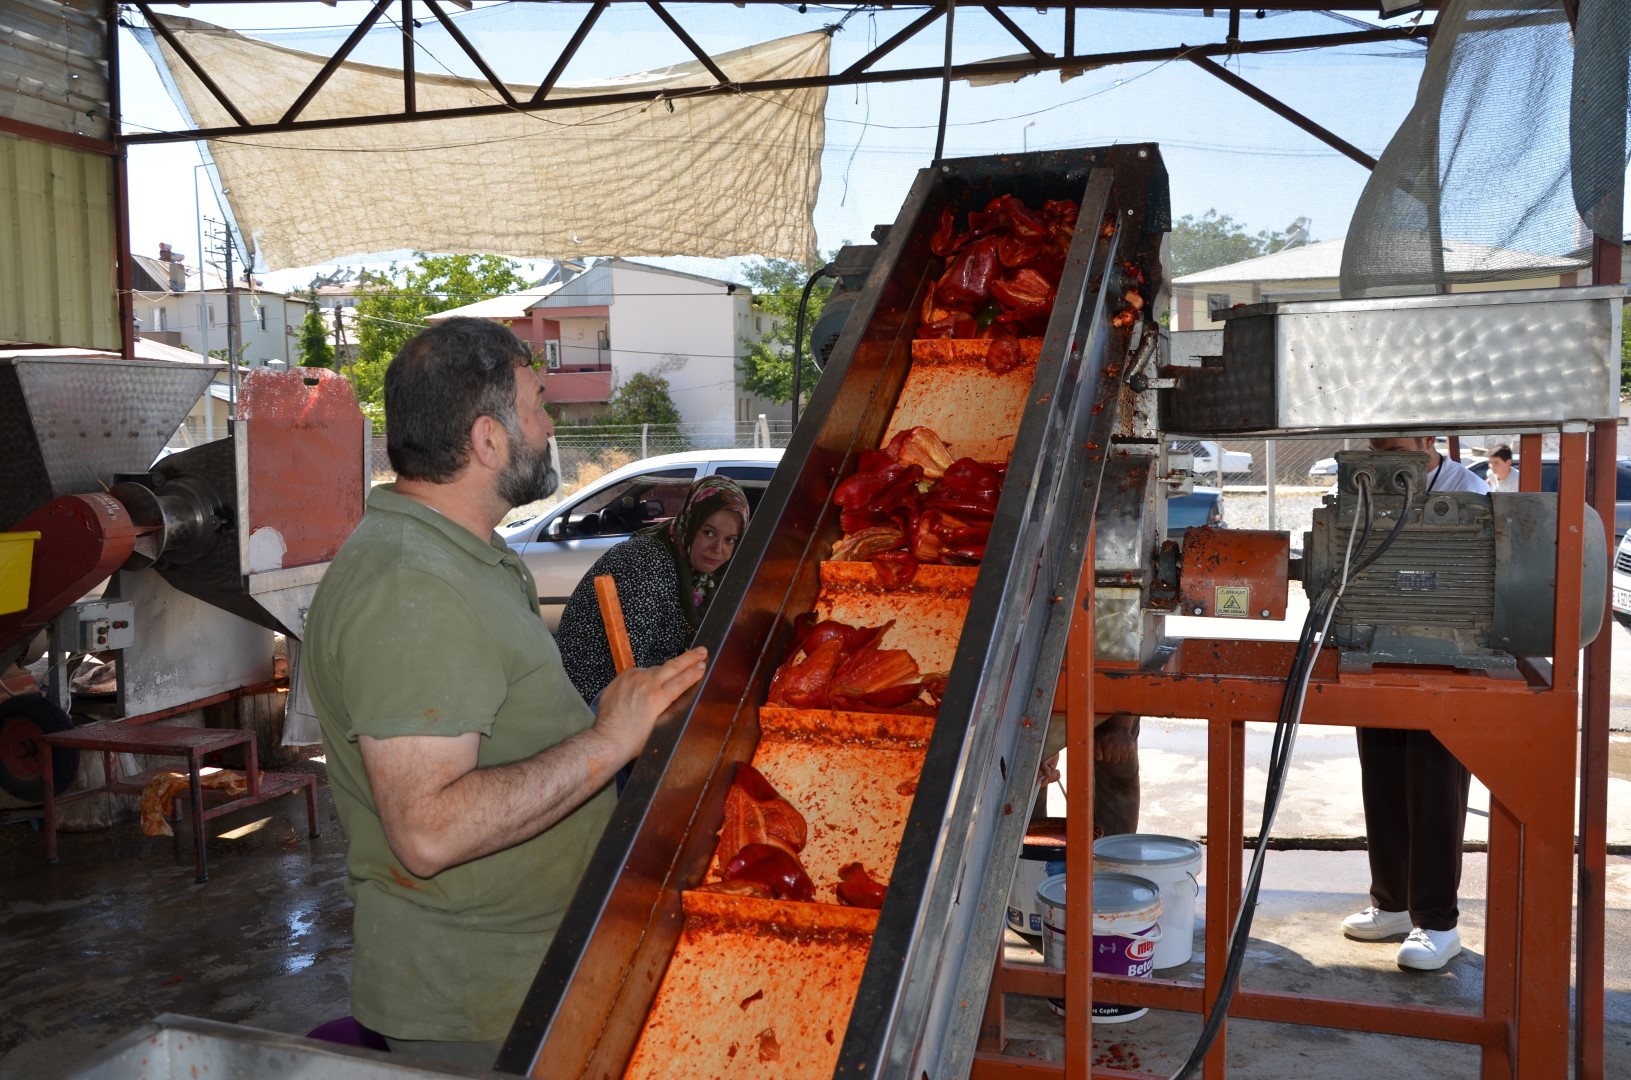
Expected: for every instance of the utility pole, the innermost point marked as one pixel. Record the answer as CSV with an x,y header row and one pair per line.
x,y
232,299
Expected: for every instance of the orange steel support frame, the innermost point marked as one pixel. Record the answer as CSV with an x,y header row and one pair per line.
x,y
1516,734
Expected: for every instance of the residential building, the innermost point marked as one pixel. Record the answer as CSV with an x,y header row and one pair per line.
x,y
618,319
171,309
1313,272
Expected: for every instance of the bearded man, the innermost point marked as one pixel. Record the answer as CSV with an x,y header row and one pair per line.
x,y
472,780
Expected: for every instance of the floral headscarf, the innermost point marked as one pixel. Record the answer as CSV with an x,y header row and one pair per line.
x,y
708,496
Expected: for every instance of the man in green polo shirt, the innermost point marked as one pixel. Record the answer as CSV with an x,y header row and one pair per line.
x,y
472,780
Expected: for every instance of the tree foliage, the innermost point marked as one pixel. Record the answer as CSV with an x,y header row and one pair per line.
x,y
392,307
1215,239
643,399
767,369
315,350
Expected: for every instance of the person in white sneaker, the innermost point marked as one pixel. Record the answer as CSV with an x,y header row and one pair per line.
x,y
1415,795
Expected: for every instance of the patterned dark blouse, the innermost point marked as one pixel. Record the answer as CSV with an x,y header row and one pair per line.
x,y
648,588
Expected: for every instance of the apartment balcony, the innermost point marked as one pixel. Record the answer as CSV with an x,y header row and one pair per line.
x,y
583,385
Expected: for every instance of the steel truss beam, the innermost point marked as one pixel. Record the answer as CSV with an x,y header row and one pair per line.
x,y
862,71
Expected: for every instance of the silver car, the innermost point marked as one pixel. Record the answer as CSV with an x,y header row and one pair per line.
x,y
560,545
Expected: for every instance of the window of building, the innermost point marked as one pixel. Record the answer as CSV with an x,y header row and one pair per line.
x,y
1216,302
212,315
260,313
159,322
552,355
758,324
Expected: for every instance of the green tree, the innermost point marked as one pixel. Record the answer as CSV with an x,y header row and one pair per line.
x,y
392,307
315,351
642,399
1215,239
767,369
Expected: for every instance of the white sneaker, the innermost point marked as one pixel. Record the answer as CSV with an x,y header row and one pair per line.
x,y
1374,924
1428,950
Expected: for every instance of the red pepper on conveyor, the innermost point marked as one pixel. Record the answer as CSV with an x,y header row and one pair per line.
x,y
863,488
866,543
857,888
945,240
894,568
755,813
969,477
774,869
886,678
967,282
920,446
1025,294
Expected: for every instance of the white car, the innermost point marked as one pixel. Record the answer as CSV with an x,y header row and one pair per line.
x,y
560,545
1205,452
1622,582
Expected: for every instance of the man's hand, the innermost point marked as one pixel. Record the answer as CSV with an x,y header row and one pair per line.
x,y
632,702
1114,743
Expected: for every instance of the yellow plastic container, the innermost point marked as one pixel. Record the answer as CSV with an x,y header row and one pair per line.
x,y
16,560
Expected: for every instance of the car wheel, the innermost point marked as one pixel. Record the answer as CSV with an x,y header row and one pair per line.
x,y
23,719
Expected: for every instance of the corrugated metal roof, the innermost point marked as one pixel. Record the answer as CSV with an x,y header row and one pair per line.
x,y
57,260
509,306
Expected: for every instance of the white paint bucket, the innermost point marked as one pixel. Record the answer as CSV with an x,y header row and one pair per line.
x,y
1172,863
1126,913
1042,857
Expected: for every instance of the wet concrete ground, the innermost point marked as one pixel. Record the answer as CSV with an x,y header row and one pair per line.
x,y
119,933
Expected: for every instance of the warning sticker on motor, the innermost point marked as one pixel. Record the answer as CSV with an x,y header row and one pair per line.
x,y
1234,602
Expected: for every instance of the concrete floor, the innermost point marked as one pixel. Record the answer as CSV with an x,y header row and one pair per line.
x,y
119,933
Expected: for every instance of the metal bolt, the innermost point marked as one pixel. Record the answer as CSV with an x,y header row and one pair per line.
x,y
1264,613
1143,153
1129,211
1197,609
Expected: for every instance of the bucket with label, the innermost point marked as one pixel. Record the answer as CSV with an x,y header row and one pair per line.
x,y
1126,913
1172,863
1042,857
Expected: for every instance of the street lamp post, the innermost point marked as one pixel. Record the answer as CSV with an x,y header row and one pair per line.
x,y
1024,137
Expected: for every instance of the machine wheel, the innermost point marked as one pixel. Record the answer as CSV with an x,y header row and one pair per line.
x,y
23,719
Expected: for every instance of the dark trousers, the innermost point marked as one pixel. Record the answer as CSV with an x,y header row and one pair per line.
x,y
1415,794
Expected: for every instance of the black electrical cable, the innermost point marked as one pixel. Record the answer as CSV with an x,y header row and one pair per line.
x,y
1296,684
798,338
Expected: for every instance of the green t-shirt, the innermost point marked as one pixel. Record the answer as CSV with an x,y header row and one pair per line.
x,y
420,628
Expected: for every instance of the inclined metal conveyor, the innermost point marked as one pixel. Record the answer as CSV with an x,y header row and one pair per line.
x,y
933,944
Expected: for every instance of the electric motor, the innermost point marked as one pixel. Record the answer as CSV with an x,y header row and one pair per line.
x,y
1466,581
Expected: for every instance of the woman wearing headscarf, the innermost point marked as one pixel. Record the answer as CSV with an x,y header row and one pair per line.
x,y
665,576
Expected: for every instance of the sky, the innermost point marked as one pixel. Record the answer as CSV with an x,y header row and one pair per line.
x,y
1222,150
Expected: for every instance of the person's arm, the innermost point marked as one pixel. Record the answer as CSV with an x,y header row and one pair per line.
x,y
1113,739
439,810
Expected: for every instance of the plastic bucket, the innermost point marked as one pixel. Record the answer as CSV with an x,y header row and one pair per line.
x,y
16,562
1126,913
1172,863
1042,857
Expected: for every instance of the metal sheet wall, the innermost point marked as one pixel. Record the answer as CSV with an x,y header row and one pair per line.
x,y
57,247
53,65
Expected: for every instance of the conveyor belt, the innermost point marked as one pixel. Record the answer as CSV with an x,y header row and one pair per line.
x,y
868,997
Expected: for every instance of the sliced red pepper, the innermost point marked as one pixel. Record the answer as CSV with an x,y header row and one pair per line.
x,y
875,676
963,555
875,460
894,568
857,888
969,477
773,868
805,683
1022,220
740,887
1017,251
755,813
867,543
861,490
967,282
1003,355
926,541
920,446
1023,290
945,240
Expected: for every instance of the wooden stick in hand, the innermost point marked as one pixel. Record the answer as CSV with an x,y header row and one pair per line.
x,y
617,632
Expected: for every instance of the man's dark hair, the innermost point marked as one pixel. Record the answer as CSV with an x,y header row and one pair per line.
x,y
1502,452
438,384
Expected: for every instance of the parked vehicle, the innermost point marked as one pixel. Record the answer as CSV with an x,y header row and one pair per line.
x,y
1205,452
1549,469
1324,471
1202,506
560,545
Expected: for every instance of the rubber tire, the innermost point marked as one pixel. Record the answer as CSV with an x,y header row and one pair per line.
x,y
23,719
1623,619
